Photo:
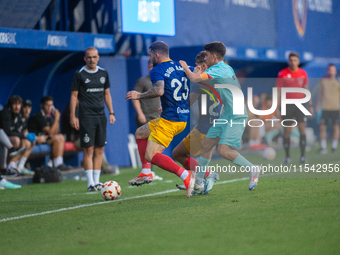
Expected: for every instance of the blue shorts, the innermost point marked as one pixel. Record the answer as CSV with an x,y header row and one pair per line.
x,y
230,135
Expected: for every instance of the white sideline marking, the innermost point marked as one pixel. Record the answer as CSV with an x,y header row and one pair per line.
x,y
86,205
84,193
233,180
105,202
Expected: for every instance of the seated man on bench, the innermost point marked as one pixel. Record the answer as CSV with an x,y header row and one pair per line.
x,y
12,125
45,124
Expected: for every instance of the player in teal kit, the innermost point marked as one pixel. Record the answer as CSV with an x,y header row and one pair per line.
x,y
221,133
171,84
191,144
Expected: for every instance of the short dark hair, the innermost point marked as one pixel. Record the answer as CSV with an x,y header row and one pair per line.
x,y
293,54
331,64
13,100
45,99
217,48
200,57
160,48
27,102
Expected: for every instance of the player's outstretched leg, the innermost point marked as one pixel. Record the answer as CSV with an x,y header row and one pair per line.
x,y
209,182
199,182
182,155
203,163
145,176
195,192
192,164
166,163
254,174
236,158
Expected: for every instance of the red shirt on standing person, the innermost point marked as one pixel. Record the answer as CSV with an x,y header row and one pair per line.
x,y
292,79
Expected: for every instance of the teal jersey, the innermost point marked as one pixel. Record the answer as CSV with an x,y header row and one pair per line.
x,y
222,73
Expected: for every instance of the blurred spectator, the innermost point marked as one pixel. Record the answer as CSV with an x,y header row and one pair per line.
x,y
11,123
293,77
25,113
45,124
271,128
254,131
6,145
329,96
263,97
146,110
72,135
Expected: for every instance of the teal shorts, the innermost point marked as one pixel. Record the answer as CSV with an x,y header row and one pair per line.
x,y
230,135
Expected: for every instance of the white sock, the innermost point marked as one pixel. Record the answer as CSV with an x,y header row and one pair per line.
x,y
22,163
12,164
96,175
323,144
58,161
3,181
89,175
146,170
184,175
334,144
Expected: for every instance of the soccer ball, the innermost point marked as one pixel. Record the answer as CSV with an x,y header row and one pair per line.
x,y
111,190
269,153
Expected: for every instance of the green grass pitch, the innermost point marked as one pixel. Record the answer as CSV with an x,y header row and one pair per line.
x,y
286,214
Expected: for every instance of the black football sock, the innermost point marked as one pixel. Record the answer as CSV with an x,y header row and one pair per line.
x,y
286,145
302,145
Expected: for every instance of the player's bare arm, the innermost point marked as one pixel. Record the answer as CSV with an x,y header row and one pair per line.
x,y
205,78
54,129
156,90
74,121
193,77
108,102
198,70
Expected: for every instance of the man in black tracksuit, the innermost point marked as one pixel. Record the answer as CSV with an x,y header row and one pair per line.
x,y
91,86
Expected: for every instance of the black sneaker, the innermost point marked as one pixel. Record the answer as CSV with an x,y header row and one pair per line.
x,y
12,172
15,152
64,167
91,188
98,186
